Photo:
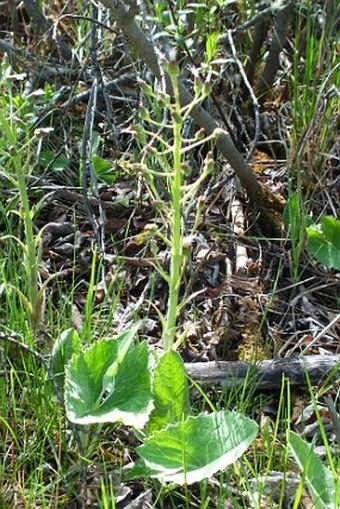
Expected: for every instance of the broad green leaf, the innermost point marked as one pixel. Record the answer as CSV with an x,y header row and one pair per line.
x,y
68,344
106,383
58,163
103,169
198,447
319,479
171,392
331,230
324,241
125,340
85,377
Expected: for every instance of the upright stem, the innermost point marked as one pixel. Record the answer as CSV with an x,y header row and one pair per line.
x,y
176,226
31,261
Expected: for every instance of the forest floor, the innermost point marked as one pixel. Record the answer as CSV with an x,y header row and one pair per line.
x,y
250,294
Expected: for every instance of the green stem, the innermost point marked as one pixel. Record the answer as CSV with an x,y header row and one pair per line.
x,y
176,233
31,262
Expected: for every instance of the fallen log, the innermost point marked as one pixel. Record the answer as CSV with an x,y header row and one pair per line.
x,y
266,375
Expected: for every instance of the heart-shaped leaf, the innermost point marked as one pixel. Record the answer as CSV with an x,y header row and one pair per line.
x,y
196,448
109,383
324,241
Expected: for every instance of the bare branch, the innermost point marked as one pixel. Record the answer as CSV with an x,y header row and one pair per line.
x,y
273,59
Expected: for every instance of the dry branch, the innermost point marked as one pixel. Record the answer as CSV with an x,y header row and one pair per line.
x,y
266,375
259,36
273,59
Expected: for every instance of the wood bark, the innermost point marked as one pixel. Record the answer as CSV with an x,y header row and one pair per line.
x,y
266,375
259,36
273,60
